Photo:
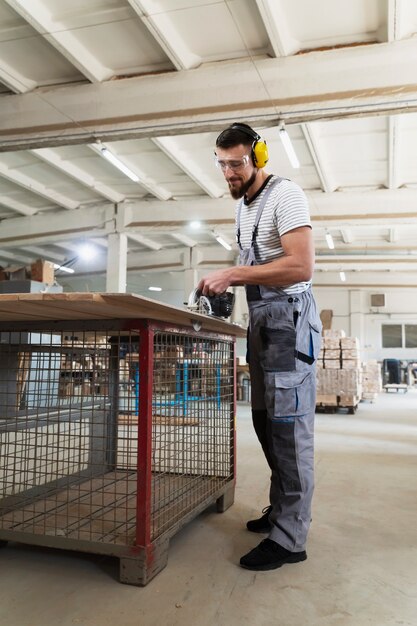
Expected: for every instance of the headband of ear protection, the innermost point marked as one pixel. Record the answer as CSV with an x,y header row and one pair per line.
x,y
259,150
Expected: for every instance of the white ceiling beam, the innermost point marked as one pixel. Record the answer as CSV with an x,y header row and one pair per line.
x,y
316,149
45,254
53,228
364,280
16,258
347,235
339,208
32,185
188,165
184,239
393,152
273,16
66,42
147,183
14,80
17,206
149,261
205,257
162,29
144,241
365,258
302,88
383,208
100,241
76,173
66,245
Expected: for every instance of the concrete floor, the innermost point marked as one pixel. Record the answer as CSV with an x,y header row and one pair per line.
x,y
362,552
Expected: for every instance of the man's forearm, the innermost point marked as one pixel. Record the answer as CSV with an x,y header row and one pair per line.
x,y
284,271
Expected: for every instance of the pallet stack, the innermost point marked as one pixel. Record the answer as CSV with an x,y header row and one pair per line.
x,y
372,380
339,375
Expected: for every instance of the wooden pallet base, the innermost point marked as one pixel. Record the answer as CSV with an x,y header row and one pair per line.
x,y
393,387
329,403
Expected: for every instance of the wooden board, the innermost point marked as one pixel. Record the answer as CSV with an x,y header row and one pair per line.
x,y
104,306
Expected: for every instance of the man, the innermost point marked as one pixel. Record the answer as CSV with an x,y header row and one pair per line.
x,y
276,264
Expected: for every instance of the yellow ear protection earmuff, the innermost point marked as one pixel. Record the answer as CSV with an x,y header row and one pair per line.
x,y
259,150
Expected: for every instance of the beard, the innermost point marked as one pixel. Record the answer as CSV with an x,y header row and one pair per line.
x,y
238,189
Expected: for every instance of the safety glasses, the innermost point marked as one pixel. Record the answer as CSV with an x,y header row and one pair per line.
x,y
234,164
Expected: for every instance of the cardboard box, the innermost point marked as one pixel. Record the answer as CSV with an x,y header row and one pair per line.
x,y
335,334
43,271
13,272
331,343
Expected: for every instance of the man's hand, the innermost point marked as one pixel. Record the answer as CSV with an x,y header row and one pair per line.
x,y
216,282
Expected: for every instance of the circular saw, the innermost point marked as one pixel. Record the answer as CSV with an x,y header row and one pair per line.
x,y
220,305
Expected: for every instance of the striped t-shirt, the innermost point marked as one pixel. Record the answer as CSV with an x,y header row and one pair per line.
x,y
285,209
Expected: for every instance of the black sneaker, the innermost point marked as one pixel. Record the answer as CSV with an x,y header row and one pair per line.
x,y
270,555
262,524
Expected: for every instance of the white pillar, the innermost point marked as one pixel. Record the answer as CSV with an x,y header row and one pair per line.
x,y
116,263
190,282
357,317
240,313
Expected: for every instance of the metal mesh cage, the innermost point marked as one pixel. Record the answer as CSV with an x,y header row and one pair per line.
x,y
111,437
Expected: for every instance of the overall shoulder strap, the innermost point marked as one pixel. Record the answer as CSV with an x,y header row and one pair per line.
x,y
262,203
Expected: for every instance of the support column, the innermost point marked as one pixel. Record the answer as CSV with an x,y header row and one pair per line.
x,y
116,263
357,317
190,282
240,313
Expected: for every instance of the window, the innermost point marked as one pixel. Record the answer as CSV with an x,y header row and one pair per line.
x,y
399,335
392,335
411,335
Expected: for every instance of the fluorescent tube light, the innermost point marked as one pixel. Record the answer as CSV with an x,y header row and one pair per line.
x,y
289,148
329,240
69,270
195,225
342,276
114,160
155,288
223,242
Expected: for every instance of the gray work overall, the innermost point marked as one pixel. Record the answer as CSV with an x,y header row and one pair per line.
x,y
283,342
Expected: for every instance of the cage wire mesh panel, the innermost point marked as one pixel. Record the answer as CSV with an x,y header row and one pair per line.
x,y
192,424
70,422
58,437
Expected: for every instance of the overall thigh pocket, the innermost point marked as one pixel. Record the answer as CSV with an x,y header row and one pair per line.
x,y
294,393
278,347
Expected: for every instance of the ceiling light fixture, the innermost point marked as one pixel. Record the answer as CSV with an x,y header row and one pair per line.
x,y
289,148
329,240
154,288
222,241
195,225
69,270
342,276
114,160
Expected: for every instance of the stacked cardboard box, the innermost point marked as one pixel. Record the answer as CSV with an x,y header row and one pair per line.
x,y
331,348
339,381
350,353
372,380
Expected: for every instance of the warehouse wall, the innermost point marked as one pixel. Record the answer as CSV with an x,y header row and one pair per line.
x,y
353,313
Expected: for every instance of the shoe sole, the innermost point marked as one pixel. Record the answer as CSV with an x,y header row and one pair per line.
x,y
295,558
261,530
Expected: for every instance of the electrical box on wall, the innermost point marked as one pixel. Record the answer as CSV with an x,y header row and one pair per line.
x,y
377,299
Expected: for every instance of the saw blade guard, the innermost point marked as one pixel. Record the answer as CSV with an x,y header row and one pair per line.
x,y
220,305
